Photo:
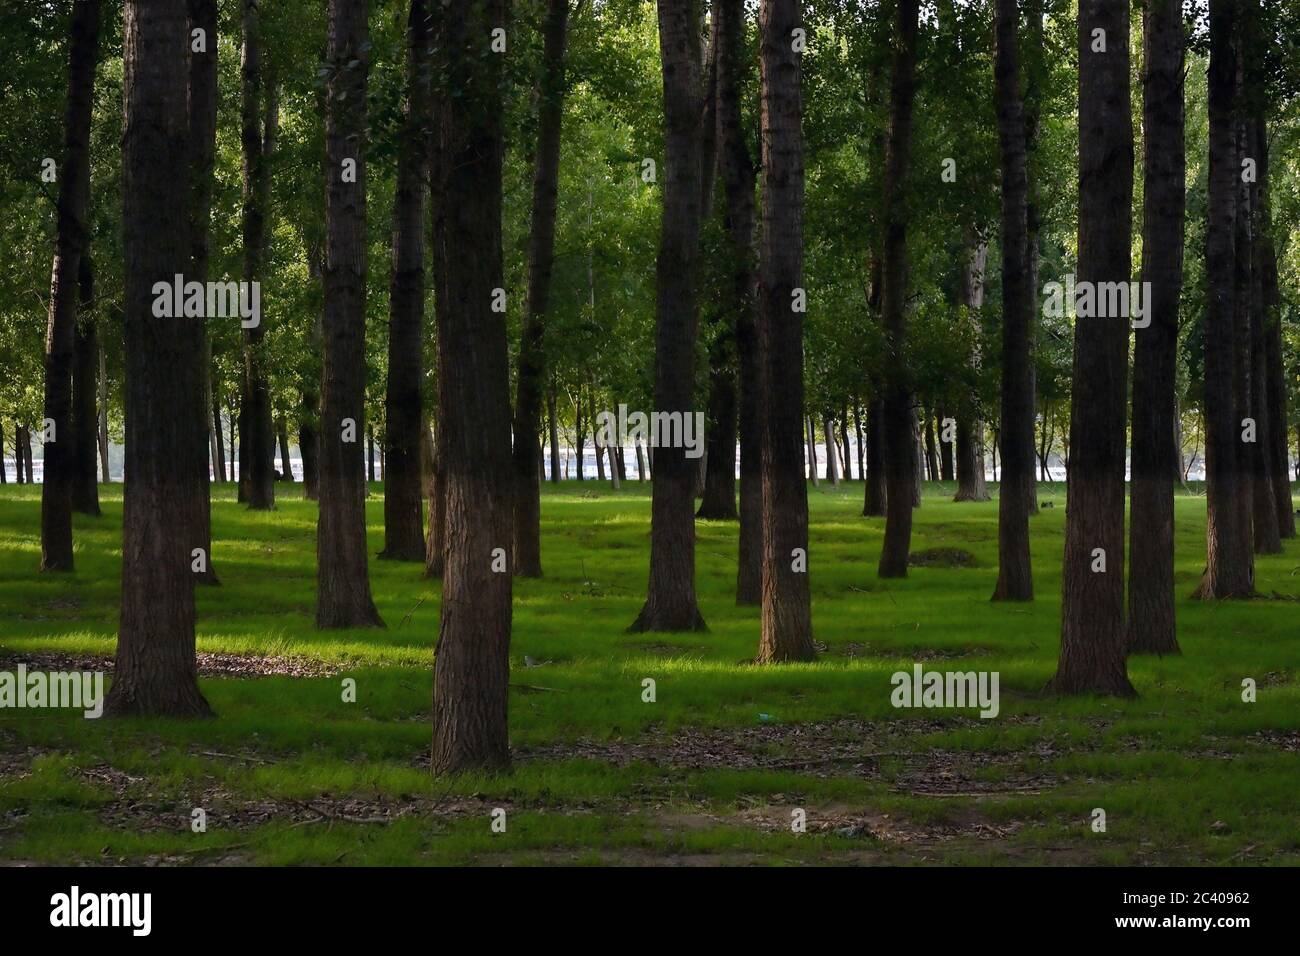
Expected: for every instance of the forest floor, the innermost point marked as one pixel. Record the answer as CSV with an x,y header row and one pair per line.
x,y
710,772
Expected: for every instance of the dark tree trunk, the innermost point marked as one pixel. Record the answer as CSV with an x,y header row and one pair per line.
x,y
156,672
876,494
1229,570
670,600
403,419
899,418
541,259
846,456
719,497
342,579
435,543
27,454
1151,617
472,669
85,417
787,608
1093,639
218,439
370,456
832,453
736,169
257,138
931,452
810,448
1275,371
4,471
579,441
1015,573
286,464
553,426
71,242
918,457
971,483
1268,530
946,472
203,145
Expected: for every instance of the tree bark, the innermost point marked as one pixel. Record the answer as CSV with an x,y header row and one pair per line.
x,y
472,669
1268,529
286,464
156,672
85,418
876,494
71,242
342,580
1229,570
1275,371
900,460
1151,615
787,608
1093,638
670,600
1015,572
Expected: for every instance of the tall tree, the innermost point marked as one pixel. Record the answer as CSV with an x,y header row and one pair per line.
x,y
1151,623
670,601
787,606
541,259
971,482
1015,573
736,170
258,121
403,414
203,150
156,672
472,669
85,424
71,241
1092,655
1275,371
1229,568
342,574
899,418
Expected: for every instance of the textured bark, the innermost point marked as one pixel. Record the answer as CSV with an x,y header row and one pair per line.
x,y
1229,570
403,420
342,578
156,672
670,599
1151,616
900,459
1093,636
719,494
1268,531
85,417
1275,371
472,669
787,607
203,145
71,241
1015,573
257,139
877,492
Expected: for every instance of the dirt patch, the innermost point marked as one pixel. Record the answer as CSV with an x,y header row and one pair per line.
x,y
942,558
853,823
210,664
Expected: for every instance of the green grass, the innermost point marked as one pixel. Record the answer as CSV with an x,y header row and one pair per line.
x,y
289,773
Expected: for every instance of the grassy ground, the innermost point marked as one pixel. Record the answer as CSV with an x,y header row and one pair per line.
x,y
713,769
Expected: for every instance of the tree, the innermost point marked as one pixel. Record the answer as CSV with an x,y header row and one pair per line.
x,y
70,245
736,170
541,260
1276,394
156,671
342,575
670,600
257,139
403,413
85,358
1151,623
1092,656
1229,568
1015,574
971,482
203,146
472,668
787,608
900,457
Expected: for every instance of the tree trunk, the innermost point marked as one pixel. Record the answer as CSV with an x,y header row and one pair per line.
x,y
832,453
1151,617
918,457
541,259
876,494
4,471
403,418
71,241
900,461
435,543
719,497
946,472
85,487
472,669
342,580
203,145
670,600
787,608
1229,571
931,452
286,464
971,482
156,673
1015,574
553,426
1268,529
1093,643
1275,371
